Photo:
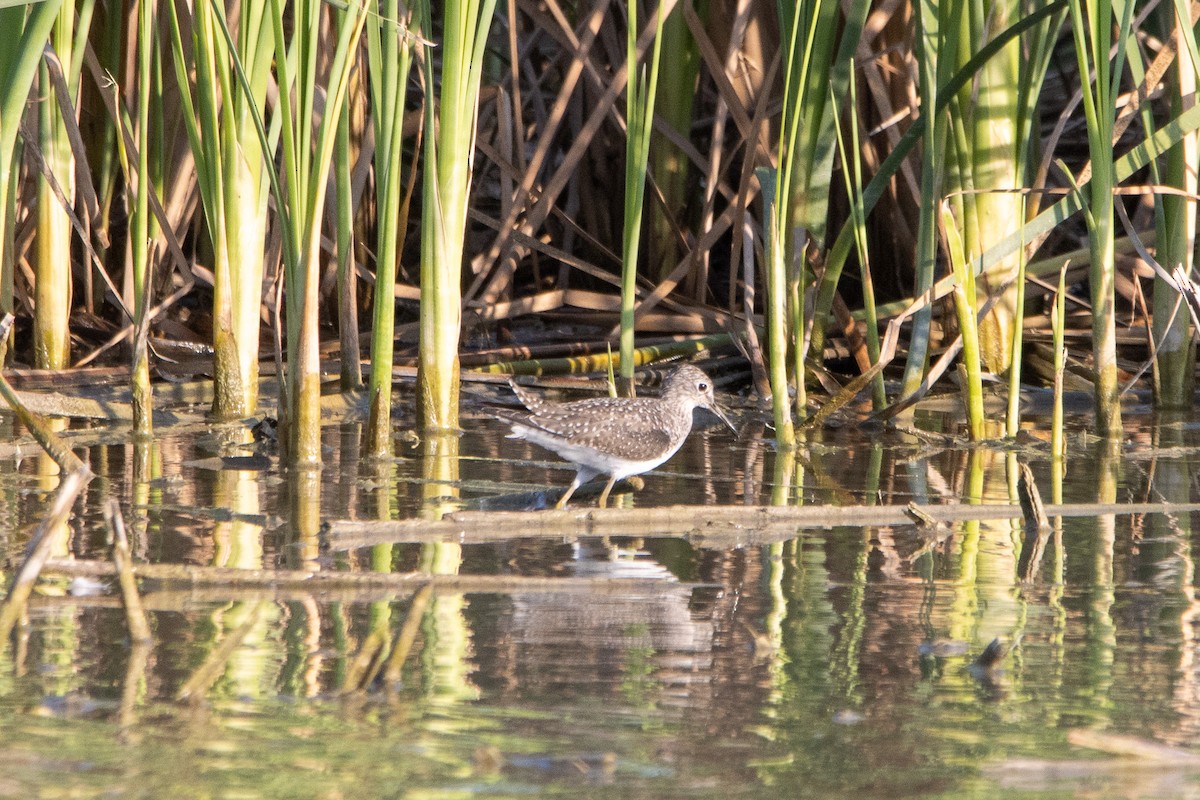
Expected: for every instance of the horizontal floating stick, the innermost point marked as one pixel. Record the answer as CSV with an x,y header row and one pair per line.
x,y
708,526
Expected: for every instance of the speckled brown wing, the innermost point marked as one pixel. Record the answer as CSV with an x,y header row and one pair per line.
x,y
636,430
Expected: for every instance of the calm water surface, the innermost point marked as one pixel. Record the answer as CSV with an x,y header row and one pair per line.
x,y
833,663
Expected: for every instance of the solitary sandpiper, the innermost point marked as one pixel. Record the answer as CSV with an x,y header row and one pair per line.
x,y
614,436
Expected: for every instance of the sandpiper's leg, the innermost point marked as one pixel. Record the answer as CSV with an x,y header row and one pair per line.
x,y
562,501
607,488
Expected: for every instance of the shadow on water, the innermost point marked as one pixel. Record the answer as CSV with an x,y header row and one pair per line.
x,y
817,662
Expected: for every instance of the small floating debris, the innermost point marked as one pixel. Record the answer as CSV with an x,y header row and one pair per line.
x,y
848,716
86,586
251,463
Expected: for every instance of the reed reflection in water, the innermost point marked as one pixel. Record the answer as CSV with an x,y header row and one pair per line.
x,y
826,662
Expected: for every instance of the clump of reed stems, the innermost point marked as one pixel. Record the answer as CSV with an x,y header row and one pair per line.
x,y
450,130
390,43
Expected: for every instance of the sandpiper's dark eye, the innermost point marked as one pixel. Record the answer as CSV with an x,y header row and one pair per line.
x,y
702,386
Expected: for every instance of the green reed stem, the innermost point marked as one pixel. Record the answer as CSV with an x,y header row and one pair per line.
x,y
143,228
1091,26
307,162
53,237
1058,449
639,120
936,44
1175,223
965,307
350,367
853,178
1012,419
389,57
776,315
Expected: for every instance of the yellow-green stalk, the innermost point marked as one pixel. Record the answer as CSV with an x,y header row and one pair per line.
x,y
964,306
450,145
816,76
784,238
987,159
143,229
27,28
52,304
817,60
776,316
1175,222
1002,123
1058,449
1012,419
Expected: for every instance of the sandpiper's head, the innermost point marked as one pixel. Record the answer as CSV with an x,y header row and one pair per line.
x,y
690,385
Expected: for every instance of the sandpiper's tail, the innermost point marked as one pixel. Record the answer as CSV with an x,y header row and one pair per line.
x,y
519,420
531,400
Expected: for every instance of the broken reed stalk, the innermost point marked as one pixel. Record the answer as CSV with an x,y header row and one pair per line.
x,y
888,348
77,474
135,613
